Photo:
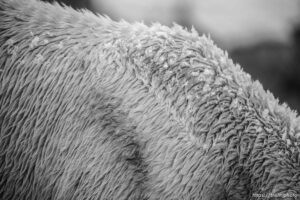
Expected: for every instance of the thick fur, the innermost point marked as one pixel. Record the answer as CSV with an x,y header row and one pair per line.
x,y
96,109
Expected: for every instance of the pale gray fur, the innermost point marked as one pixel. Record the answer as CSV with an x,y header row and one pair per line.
x,y
97,109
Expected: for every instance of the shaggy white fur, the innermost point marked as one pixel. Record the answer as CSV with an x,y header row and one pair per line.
x,y
96,109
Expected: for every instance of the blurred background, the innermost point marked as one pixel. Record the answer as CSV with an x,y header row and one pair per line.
x,y
263,36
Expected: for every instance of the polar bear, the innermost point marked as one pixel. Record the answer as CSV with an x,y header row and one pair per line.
x,y
91,108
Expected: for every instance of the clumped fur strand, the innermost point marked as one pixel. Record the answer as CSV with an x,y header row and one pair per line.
x,y
97,109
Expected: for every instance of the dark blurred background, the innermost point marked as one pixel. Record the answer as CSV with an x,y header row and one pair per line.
x,y
263,36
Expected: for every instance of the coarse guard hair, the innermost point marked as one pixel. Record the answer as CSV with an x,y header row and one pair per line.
x,y
94,109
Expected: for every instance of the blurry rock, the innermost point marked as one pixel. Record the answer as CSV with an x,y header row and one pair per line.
x,y
276,66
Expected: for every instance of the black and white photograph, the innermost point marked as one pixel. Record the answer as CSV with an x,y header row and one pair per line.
x,y
149,100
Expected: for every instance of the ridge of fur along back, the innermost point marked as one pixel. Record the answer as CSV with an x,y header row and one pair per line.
x,y
96,109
